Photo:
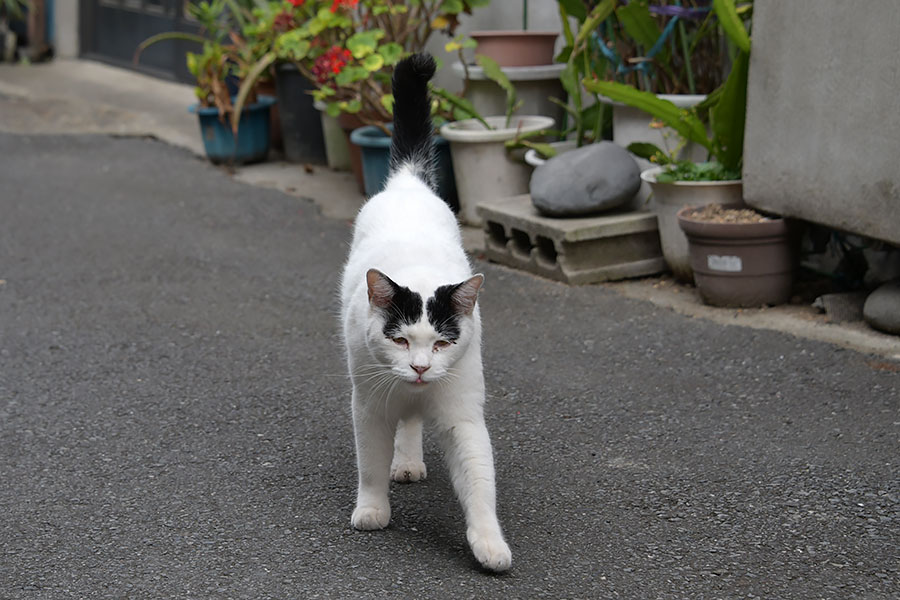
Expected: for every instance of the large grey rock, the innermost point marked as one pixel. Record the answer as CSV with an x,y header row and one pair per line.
x,y
585,181
882,308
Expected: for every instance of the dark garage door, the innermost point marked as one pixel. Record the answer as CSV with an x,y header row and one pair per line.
x,y
112,29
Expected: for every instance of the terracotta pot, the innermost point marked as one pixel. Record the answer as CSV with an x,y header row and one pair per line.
x,y
740,264
348,123
517,48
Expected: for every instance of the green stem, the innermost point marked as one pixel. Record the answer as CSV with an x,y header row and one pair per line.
x,y
687,57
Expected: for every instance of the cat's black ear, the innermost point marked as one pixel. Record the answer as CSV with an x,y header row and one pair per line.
x,y
466,294
381,288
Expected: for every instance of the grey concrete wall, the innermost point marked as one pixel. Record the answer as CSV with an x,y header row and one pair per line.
x,y
823,128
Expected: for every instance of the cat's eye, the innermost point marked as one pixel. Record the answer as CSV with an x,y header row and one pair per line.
x,y
441,344
401,341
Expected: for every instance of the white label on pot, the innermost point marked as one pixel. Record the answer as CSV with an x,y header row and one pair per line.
x,y
732,264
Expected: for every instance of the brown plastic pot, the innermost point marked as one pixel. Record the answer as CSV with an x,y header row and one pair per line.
x,y
740,265
517,48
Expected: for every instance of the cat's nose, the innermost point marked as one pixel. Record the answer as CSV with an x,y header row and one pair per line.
x,y
419,369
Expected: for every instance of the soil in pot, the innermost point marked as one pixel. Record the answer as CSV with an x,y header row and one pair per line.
x,y
740,258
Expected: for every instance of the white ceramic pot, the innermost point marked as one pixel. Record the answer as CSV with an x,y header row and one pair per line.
x,y
337,151
633,125
534,87
669,198
535,160
481,165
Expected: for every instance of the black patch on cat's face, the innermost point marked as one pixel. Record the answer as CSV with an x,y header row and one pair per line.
x,y
405,309
443,314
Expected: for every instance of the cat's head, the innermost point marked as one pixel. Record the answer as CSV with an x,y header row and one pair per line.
x,y
420,339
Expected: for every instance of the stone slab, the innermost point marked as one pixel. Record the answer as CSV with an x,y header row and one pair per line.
x,y
619,245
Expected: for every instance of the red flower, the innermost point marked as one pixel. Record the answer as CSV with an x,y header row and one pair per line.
x,y
283,21
297,2
331,63
343,4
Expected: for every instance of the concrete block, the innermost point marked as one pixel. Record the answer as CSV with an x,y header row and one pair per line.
x,y
614,246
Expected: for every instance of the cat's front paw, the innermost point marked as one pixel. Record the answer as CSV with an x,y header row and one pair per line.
x,y
368,518
408,472
490,550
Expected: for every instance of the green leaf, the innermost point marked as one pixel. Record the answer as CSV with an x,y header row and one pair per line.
x,y
333,109
364,43
684,122
732,24
639,24
728,116
597,16
648,151
247,86
373,62
391,52
493,72
453,7
170,35
574,8
351,75
387,101
460,105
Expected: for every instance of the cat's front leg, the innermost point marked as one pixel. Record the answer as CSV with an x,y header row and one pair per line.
x,y
374,445
469,458
408,464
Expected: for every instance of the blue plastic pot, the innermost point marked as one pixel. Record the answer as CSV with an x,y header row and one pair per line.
x,y
252,141
376,159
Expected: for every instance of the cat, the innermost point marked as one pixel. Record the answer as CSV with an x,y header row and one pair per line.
x,y
412,330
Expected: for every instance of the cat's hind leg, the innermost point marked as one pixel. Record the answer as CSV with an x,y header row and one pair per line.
x,y
408,464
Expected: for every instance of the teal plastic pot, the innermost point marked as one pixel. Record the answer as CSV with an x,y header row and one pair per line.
x,y
252,141
376,160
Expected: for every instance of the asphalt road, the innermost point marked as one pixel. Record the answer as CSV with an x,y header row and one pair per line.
x,y
174,417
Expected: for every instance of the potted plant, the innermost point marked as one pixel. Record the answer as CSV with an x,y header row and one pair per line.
x,y
231,133
740,258
679,182
10,9
676,50
481,162
347,49
587,119
517,48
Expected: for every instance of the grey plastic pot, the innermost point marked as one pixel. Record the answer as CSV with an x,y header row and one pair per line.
x,y
740,264
482,167
669,198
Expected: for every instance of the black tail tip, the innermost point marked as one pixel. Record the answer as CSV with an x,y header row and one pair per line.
x,y
420,67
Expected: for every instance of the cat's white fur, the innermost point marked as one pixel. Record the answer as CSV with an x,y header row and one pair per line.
x,y
409,234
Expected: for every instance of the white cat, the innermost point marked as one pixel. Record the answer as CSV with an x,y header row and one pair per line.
x,y
413,334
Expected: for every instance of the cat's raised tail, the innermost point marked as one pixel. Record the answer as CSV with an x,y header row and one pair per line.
x,y
411,143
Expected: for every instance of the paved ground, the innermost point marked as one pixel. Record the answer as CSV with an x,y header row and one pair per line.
x,y
174,417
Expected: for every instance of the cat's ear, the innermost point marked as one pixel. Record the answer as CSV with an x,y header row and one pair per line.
x,y
466,294
381,288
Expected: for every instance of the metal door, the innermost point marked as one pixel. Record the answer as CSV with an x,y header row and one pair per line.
x,y
111,30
